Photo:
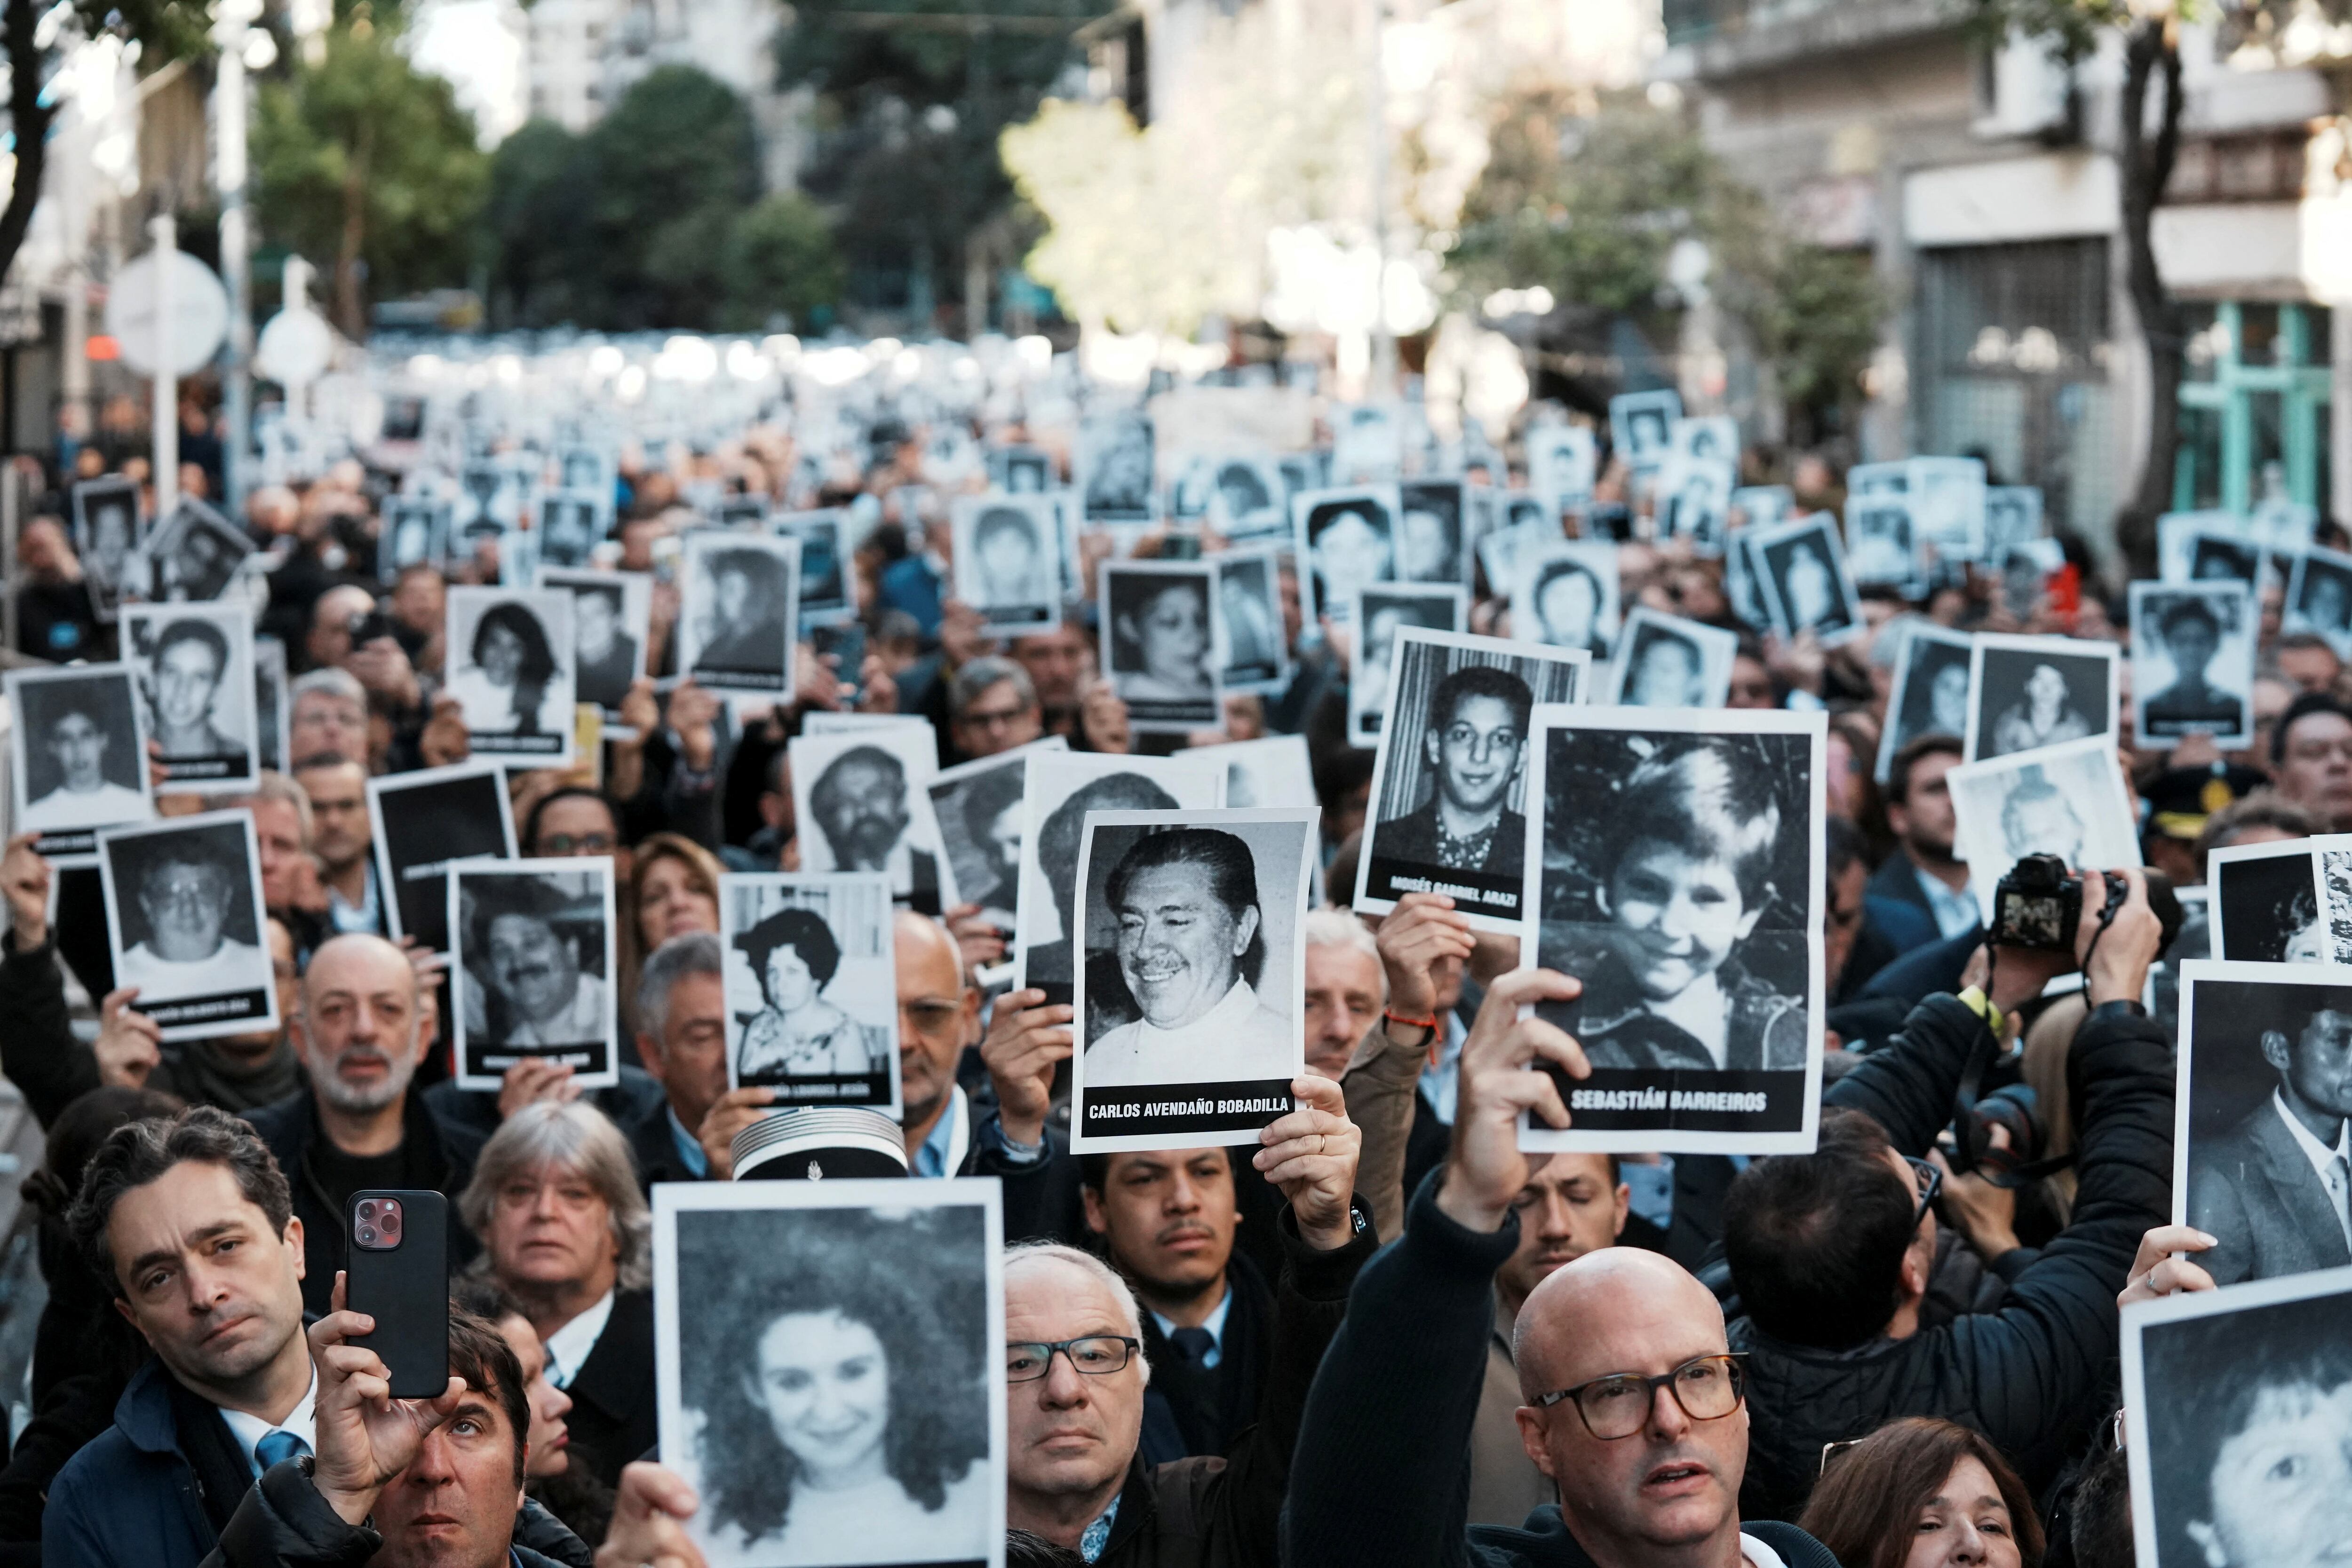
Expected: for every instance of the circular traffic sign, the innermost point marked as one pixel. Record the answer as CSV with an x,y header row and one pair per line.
x,y
199,308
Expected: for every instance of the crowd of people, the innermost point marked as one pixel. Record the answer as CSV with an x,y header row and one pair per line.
x,y
1385,1335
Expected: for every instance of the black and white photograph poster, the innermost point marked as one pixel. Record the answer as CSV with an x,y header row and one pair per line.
x,y
858,798
1801,578
1930,695
2068,801
1449,802
1704,438
183,924
1433,531
193,554
738,613
2026,693
1004,561
1664,661
2193,662
811,989
1191,1028
2263,905
1692,500
1881,545
511,668
1161,643
269,697
1247,497
830,1364
925,736
1563,466
1947,496
978,807
2013,517
1763,506
1057,790
1250,603
1272,770
415,535
1346,537
569,525
532,961
1566,595
2320,598
77,756
2238,1416
2331,876
2264,1098
2216,556
1641,426
611,620
1674,866
108,532
195,663
421,823
827,596
1379,613
1114,468
1021,470
2185,541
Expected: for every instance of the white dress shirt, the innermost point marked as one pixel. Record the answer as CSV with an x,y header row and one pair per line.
x,y
569,1347
2330,1164
302,1421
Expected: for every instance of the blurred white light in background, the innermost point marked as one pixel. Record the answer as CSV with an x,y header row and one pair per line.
x,y
605,361
745,364
1036,351
508,368
834,367
784,349
687,359
907,365
426,366
631,386
1504,302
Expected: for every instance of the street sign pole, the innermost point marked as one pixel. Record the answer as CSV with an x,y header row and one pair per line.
x,y
167,231
230,32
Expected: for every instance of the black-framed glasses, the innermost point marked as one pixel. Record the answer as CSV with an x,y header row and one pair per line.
x,y
1096,1356
559,845
1707,1387
1927,1177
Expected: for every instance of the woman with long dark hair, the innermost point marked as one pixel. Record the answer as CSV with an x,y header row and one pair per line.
x,y
504,686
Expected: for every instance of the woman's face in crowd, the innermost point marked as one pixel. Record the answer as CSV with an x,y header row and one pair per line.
x,y
1567,608
2280,1490
1677,916
1350,553
1173,632
2045,689
1965,1524
670,905
1948,699
824,1383
502,656
790,984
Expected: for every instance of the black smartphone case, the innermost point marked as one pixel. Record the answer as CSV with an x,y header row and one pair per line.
x,y
406,1291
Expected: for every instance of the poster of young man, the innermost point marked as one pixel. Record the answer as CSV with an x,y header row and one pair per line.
x,y
811,989
1378,614
611,620
2193,662
77,756
1702,1040
1057,790
2025,692
183,924
1004,561
1345,539
195,665
1449,798
1641,427
109,530
1566,595
825,591
1667,661
2263,907
2320,598
1198,913
420,824
533,966
890,1291
570,526
193,554
1161,643
1250,603
739,615
1931,689
1433,531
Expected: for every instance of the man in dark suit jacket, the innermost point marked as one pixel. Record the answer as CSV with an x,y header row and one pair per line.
x,y
1919,810
1473,749
2273,1189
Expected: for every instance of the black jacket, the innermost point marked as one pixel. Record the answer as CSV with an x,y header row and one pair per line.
x,y
614,1416
439,1154
283,1522
1382,1477
1189,1410
2029,1376
1226,1512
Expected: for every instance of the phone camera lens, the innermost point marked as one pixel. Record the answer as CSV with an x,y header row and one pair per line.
x,y
367,1210
391,1225
367,1236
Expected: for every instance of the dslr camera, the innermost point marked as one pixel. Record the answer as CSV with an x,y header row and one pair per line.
x,y
2039,904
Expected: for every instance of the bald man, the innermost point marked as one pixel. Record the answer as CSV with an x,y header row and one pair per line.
x,y
1634,1407
361,1031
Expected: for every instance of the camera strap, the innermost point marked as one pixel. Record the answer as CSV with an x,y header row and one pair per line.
x,y
1982,1058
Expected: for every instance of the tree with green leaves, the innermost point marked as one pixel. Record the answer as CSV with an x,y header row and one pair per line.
x,y
2148,145
781,261
164,30
1593,205
364,159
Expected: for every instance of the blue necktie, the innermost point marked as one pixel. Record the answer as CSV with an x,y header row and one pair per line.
x,y
1192,1346
279,1445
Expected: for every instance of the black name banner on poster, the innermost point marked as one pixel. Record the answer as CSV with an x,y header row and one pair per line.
x,y
494,1059
1488,892
841,1089
722,678
204,766
1171,711
83,842
1152,1109
1635,1099
520,745
207,1010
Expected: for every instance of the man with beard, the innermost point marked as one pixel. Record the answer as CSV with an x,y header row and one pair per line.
x,y
860,805
192,1224
361,1031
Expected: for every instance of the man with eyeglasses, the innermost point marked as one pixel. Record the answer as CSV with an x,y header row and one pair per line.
x,y
992,709
950,1130
1634,1403
1076,1375
2311,758
577,820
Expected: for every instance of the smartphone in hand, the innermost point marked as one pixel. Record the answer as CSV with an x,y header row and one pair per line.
x,y
399,1275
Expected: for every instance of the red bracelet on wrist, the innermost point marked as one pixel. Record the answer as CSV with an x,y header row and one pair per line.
x,y
1427,1023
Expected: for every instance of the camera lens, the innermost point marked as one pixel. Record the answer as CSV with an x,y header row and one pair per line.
x,y
367,1236
391,1225
367,1210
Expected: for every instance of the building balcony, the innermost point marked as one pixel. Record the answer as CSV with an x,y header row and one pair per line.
x,y
1716,38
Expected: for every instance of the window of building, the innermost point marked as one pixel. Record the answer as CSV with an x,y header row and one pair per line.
x,y
2254,406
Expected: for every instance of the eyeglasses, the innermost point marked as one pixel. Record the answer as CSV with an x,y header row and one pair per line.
x,y
1096,1356
560,844
1002,718
1708,1388
1929,1178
